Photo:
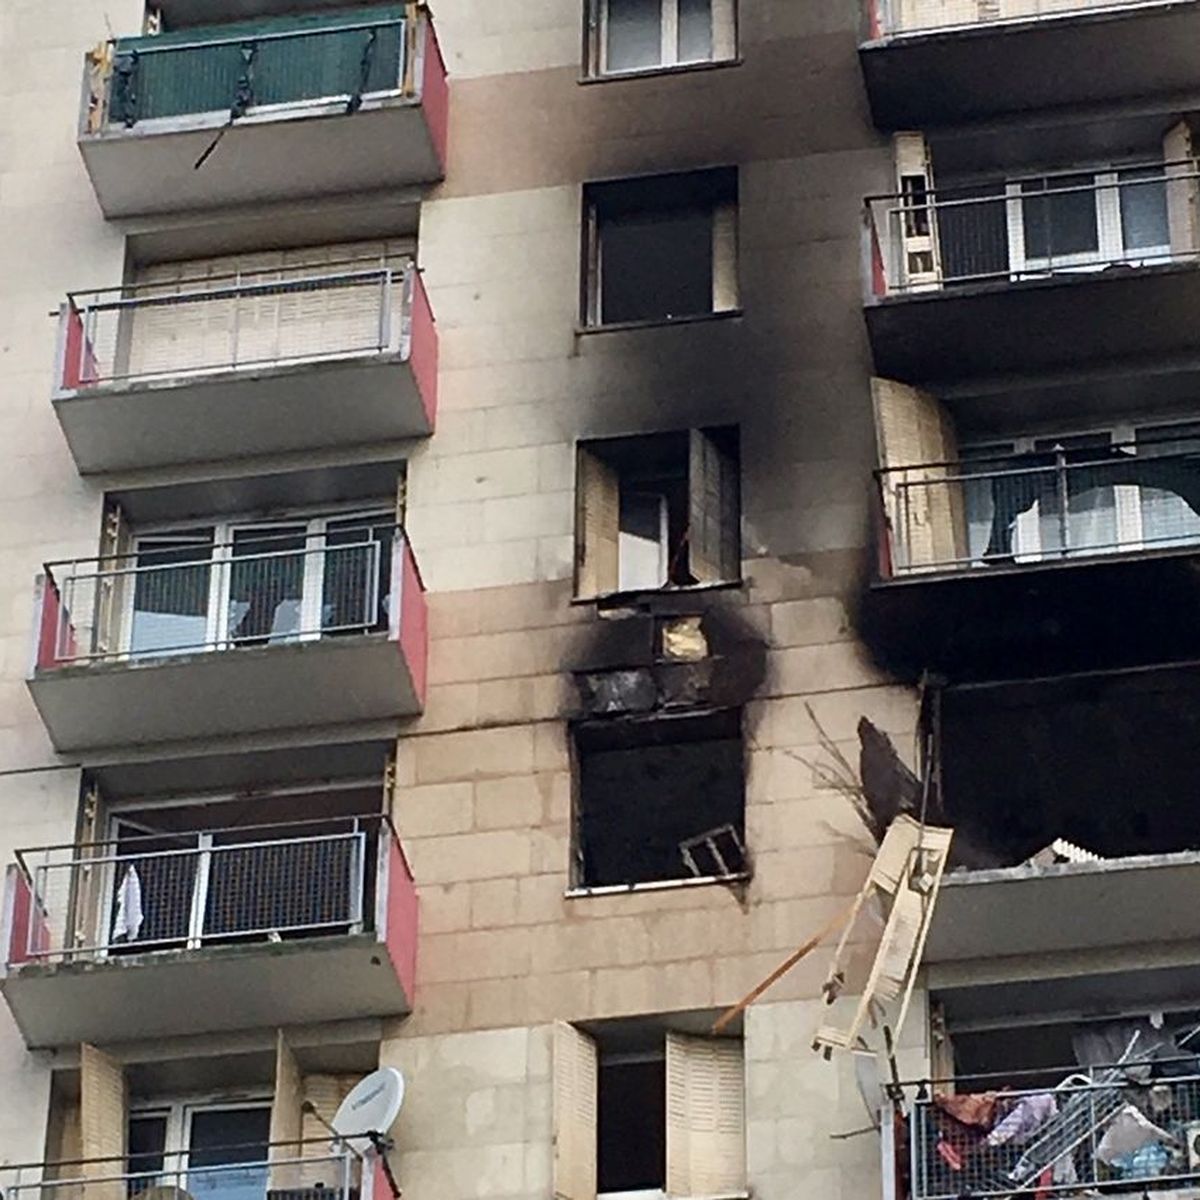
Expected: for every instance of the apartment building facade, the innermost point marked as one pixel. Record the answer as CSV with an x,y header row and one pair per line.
x,y
472,477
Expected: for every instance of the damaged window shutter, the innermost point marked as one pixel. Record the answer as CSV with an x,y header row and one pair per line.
x,y
286,1117
725,257
1183,190
112,595
706,1120
714,549
576,1079
597,525
103,1120
923,499
905,877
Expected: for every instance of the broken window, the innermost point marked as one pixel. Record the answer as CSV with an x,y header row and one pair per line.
x,y
661,247
659,799
643,1109
657,511
642,35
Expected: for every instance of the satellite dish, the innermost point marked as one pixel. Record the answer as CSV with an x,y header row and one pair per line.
x,y
372,1106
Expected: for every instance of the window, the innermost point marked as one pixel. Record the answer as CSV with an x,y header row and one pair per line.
x,y
661,248
643,35
659,799
244,583
657,511
642,1110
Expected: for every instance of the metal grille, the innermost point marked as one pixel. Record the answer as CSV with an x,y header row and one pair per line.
x,y
1033,227
178,594
292,1171
1106,1128
254,319
913,16
174,891
238,72
1041,505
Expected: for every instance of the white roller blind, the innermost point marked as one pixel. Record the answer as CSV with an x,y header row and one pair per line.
x,y
264,327
576,1079
706,1117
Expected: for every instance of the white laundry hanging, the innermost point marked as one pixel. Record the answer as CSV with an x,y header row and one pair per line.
x,y
128,921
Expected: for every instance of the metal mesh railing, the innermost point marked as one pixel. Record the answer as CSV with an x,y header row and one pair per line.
x,y
1031,227
237,72
1111,1130
304,1170
895,17
287,315
186,890
177,595
1040,506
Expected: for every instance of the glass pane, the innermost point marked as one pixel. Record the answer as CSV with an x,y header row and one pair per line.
x,y
356,588
656,265
634,34
695,31
147,1142
266,583
1169,462
642,548
1060,222
1144,211
227,1153
170,596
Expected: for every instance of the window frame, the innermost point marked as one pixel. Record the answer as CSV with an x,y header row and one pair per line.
x,y
722,204
706,445
724,33
217,635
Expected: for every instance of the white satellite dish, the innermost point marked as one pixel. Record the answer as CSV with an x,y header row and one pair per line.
x,y
371,1106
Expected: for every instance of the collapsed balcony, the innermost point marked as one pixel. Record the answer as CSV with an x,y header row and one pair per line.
x,y
942,62
194,929
279,108
1034,273
215,369
191,637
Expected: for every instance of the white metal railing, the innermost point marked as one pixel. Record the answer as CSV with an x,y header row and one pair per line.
x,y
1030,227
248,320
1040,505
196,595
304,1170
186,890
1126,1130
891,18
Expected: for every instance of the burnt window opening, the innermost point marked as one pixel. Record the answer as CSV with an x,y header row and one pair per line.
x,y
661,248
659,800
657,511
631,1137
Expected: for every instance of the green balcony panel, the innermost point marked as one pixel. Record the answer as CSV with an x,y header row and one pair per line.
x,y
241,66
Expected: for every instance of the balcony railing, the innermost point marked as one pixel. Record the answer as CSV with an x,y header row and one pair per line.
x,y
275,589
304,1170
196,327
1032,227
1105,1130
891,18
252,69
196,889
1041,506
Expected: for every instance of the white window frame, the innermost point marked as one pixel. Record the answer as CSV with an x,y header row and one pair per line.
x,y
179,1112
719,11
217,634
1127,498
1110,235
